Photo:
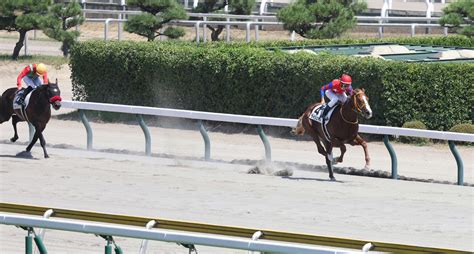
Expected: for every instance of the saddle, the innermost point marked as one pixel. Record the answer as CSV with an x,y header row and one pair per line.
x,y
22,107
316,116
317,111
16,100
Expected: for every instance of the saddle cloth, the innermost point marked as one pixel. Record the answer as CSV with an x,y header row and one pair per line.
x,y
315,114
27,100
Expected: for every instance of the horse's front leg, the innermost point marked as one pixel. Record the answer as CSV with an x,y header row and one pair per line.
x,y
15,120
33,141
43,145
329,160
360,141
343,151
38,134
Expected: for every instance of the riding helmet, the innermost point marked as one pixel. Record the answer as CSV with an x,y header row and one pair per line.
x,y
346,79
40,69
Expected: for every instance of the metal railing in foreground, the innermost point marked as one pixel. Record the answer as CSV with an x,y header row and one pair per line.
x,y
276,241
259,121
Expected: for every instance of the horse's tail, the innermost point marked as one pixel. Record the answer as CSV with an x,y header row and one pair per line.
x,y
299,129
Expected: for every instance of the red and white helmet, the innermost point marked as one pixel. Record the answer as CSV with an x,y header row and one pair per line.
x,y
346,79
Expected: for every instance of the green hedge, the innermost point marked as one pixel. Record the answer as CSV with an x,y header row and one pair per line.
x,y
248,79
414,140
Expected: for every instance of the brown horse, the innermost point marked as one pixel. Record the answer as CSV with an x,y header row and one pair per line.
x,y
37,112
342,128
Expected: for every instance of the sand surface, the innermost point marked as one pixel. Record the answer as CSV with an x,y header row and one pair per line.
x,y
220,192
436,215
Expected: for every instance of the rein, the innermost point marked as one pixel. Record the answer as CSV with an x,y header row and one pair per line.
x,y
356,109
342,115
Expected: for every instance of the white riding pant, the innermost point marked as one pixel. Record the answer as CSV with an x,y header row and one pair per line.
x,y
334,97
33,82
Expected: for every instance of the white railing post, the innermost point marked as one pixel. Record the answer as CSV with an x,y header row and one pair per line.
x,y
106,28
383,14
204,30
42,231
196,26
429,11
256,30
144,244
121,17
247,32
255,237
227,27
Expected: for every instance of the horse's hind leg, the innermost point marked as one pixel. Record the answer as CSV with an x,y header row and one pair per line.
x,y
320,147
360,141
15,120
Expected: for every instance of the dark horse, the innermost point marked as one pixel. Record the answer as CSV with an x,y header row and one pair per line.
x,y
343,127
38,111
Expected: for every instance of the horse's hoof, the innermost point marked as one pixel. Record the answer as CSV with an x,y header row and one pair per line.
x,y
367,167
46,156
13,139
333,179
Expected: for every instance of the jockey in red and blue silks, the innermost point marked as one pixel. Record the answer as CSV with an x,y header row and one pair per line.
x,y
336,91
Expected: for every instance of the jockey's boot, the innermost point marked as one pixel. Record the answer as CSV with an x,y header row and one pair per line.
x,y
325,111
22,96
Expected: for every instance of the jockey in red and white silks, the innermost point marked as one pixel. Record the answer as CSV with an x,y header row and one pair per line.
x,y
33,75
336,90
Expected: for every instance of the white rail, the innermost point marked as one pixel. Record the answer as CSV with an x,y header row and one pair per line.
x,y
258,120
262,17
166,235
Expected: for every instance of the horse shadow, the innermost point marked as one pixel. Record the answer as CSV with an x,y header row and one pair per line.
x,y
21,155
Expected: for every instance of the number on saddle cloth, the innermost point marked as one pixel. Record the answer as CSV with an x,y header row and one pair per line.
x,y
316,113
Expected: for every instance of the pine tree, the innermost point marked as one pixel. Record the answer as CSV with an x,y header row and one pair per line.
x,y
320,19
457,14
157,14
60,19
238,7
22,16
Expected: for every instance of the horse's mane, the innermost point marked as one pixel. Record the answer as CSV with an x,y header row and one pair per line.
x,y
358,90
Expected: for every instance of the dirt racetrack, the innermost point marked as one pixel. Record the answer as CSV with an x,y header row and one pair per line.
x,y
426,214
220,192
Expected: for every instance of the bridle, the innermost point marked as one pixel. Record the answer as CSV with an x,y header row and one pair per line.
x,y
356,108
53,98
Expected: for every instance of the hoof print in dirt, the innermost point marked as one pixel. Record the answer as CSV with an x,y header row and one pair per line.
x,y
270,170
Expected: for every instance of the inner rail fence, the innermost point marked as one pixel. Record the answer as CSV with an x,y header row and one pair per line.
x,y
255,21
258,23
148,228
260,121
